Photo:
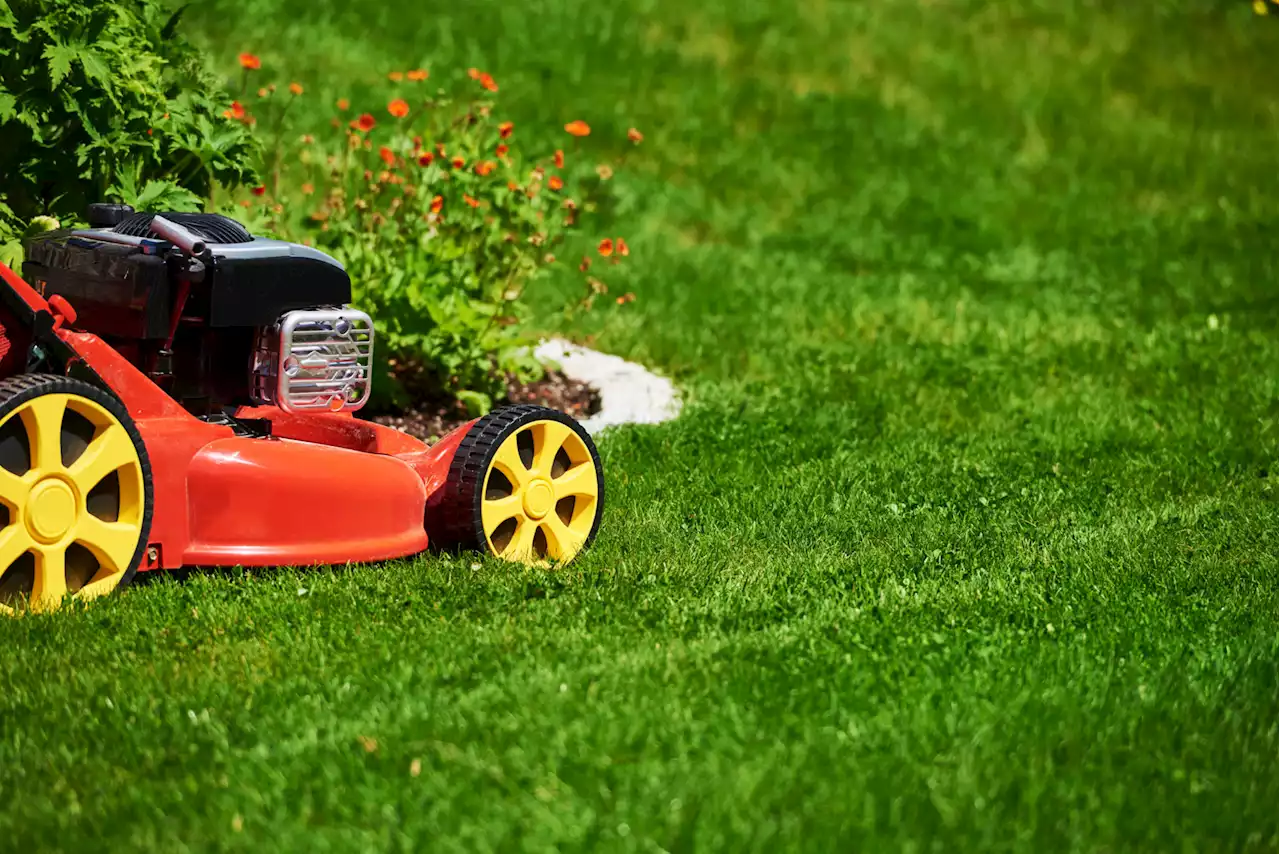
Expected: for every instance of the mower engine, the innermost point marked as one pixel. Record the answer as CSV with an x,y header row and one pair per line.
x,y
216,317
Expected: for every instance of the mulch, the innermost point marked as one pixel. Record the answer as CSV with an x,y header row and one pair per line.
x,y
431,419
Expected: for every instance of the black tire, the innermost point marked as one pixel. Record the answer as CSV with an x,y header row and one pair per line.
x,y
18,390
454,522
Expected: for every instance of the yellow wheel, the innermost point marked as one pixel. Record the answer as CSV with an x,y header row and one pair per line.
x,y
525,484
75,493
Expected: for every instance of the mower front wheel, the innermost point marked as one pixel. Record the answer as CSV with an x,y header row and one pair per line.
x,y
525,485
75,493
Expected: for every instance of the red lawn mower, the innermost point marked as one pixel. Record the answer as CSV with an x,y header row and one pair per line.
x,y
176,392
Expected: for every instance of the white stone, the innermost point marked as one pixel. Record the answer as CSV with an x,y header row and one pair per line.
x,y
629,393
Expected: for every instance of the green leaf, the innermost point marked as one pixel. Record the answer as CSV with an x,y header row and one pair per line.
x,y
165,195
171,26
477,402
95,68
60,57
39,225
11,254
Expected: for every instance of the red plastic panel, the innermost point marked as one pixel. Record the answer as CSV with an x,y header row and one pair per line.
x,y
258,502
24,291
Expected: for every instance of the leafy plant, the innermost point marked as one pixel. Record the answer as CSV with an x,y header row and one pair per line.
x,y
104,99
13,232
442,220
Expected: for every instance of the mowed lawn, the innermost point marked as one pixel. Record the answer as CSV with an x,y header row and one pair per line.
x,y
966,540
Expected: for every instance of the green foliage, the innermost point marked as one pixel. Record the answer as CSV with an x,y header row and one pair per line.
x,y
105,99
13,234
10,236
442,218
151,195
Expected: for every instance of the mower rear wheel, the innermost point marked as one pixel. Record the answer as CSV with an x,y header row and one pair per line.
x,y
75,493
525,485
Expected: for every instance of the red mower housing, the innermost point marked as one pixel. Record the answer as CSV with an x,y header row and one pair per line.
x,y
200,386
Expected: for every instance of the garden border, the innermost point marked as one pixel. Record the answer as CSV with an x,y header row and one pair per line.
x,y
629,393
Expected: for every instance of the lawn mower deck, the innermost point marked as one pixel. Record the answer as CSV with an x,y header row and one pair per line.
x,y
199,407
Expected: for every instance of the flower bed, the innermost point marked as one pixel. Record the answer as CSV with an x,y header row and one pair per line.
x,y
441,216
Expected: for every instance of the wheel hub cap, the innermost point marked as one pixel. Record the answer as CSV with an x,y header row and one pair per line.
x,y
50,511
539,498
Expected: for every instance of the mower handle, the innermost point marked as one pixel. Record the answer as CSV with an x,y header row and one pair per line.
x,y
179,236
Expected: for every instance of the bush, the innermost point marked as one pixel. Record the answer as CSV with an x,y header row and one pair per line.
x,y
441,218
104,100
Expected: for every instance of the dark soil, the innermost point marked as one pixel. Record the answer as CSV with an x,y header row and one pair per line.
x,y
432,418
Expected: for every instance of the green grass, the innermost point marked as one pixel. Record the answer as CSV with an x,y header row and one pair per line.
x,y
965,541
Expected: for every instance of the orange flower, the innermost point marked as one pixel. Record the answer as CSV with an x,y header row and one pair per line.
x,y
425,158
577,128
559,159
606,247
263,92
501,150
512,186
473,73
395,76
398,108
388,156
295,88
623,249
308,189
626,298
554,183
366,123
258,190
249,62
437,203
484,167
343,103
417,75
635,135
457,162
505,129
473,202
488,82
236,111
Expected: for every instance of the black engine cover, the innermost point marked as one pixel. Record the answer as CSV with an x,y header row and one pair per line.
x,y
116,290
127,291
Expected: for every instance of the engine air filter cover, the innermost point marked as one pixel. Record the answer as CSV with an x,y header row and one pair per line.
x,y
212,228
317,360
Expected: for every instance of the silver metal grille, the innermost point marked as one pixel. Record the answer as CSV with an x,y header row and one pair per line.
x,y
318,360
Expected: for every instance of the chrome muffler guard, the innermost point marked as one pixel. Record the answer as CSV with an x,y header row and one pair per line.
x,y
315,360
